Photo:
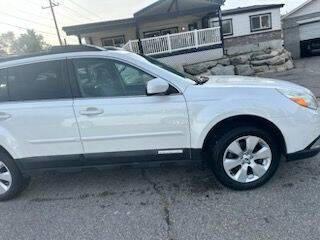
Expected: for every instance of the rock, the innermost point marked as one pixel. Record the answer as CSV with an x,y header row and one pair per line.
x,y
261,69
259,62
285,56
244,70
199,68
281,68
223,70
206,74
278,60
275,52
289,53
194,69
289,65
272,69
268,55
253,55
262,57
224,61
242,59
268,50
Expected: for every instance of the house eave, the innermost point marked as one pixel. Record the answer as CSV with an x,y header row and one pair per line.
x,y
174,14
98,26
255,8
144,10
297,9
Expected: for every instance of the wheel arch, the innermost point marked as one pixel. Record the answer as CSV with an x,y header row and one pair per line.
x,y
244,120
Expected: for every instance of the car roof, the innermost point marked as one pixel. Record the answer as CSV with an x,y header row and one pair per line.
x,y
55,53
114,53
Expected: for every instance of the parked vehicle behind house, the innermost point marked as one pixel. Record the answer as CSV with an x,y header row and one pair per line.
x,y
80,107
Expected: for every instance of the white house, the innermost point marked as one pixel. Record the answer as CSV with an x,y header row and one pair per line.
x,y
301,29
251,27
188,31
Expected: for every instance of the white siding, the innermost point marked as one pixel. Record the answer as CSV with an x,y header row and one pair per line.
x,y
312,7
241,22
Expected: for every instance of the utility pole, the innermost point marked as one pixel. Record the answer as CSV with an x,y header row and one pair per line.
x,y
51,6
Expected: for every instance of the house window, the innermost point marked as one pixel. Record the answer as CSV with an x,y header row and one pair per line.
x,y
193,26
160,32
117,41
227,26
260,22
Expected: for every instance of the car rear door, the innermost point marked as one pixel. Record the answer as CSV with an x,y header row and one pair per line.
x,y
37,118
119,123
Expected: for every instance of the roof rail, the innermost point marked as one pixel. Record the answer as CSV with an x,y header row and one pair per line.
x,y
54,50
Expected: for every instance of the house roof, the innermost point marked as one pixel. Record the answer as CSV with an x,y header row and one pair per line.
x,y
250,9
163,8
298,8
98,26
166,6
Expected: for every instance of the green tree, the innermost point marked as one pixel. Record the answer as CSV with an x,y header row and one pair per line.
x,y
29,42
6,41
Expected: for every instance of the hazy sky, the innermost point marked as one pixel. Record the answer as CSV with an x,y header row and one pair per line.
x,y
16,15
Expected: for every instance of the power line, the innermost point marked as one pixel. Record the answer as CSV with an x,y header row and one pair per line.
x,y
79,14
35,4
39,16
25,12
23,28
26,20
88,11
71,18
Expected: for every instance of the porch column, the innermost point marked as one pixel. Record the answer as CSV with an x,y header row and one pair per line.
x,y
79,39
221,30
138,37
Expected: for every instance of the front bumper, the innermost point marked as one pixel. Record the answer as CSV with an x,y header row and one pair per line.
x,y
312,150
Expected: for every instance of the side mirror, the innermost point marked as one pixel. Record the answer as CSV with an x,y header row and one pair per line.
x,y
157,86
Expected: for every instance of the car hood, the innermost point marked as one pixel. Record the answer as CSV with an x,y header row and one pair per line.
x,y
252,82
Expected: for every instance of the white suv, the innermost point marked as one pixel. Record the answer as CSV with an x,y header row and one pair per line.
x,y
85,107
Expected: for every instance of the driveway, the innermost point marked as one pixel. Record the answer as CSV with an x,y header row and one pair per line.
x,y
306,73
166,203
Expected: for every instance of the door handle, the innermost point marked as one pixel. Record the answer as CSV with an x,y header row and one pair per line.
x,y
4,116
91,111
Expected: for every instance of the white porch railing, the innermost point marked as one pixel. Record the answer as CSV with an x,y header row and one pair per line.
x,y
176,42
132,46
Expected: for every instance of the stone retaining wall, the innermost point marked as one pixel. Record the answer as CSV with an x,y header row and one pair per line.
x,y
253,63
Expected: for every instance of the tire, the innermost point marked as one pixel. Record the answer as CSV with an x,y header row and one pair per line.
x,y
221,152
16,185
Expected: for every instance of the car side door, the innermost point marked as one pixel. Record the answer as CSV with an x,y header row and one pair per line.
x,y
118,122
37,121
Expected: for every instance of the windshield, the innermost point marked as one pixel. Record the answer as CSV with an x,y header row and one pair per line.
x,y
172,70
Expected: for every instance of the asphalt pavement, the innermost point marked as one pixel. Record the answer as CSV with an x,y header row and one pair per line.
x,y
306,73
168,203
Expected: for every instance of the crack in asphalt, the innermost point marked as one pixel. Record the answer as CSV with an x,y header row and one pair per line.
x,y
165,204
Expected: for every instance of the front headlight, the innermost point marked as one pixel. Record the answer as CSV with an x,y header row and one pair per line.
x,y
301,98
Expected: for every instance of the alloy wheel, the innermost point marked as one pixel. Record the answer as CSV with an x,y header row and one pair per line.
x,y
247,159
5,178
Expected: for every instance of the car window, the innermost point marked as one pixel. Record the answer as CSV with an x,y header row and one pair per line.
x,y
108,78
133,79
97,78
37,81
3,85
